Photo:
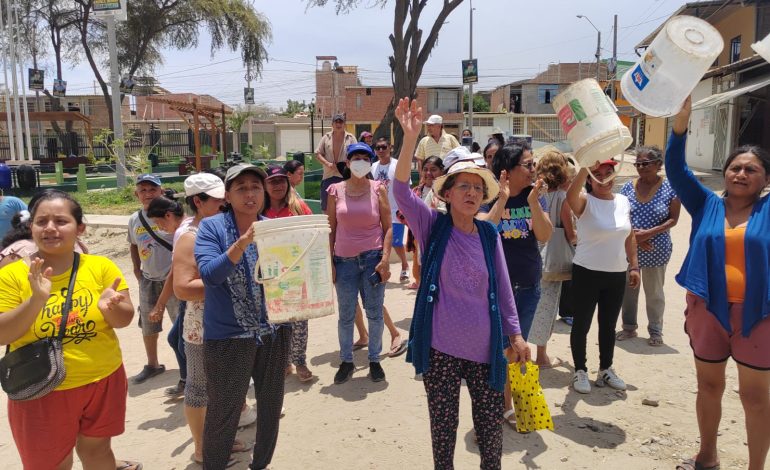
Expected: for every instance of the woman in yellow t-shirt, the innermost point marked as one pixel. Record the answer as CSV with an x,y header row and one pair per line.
x,y
88,408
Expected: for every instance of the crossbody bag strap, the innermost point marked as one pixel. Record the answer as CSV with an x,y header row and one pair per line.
x,y
65,311
152,233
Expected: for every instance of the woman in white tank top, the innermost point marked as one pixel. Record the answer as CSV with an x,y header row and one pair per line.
x,y
605,253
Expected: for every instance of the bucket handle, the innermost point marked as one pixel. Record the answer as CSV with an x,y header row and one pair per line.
x,y
262,280
620,164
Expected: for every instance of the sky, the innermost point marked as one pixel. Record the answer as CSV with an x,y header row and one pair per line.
x,y
512,40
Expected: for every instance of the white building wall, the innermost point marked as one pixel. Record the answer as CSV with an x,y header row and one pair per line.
x,y
702,131
292,139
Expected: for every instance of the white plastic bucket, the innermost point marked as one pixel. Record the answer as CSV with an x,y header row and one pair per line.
x,y
590,121
672,66
295,267
763,48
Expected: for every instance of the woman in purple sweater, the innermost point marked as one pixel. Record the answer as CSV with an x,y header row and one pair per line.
x,y
464,304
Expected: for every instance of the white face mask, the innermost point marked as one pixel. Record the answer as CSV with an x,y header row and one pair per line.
x,y
360,168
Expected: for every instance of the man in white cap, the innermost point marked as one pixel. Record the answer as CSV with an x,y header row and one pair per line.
x,y
437,142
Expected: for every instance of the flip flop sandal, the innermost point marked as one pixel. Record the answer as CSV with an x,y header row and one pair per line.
x,y
510,418
404,276
692,464
413,285
304,376
243,447
128,465
356,347
655,341
400,350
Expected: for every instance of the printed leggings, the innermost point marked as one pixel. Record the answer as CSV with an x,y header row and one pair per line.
x,y
299,343
442,384
229,365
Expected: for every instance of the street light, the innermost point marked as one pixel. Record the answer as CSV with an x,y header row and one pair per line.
x,y
598,44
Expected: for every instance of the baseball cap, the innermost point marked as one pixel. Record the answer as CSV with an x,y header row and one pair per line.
x,y
609,161
274,171
148,178
458,154
434,119
204,183
237,170
338,117
364,135
360,147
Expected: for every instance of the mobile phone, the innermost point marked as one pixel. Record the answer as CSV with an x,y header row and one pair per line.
x,y
375,278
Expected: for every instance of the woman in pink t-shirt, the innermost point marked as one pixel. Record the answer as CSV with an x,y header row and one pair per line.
x,y
282,201
359,215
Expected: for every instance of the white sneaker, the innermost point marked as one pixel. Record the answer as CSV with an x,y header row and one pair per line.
x,y
248,417
608,377
580,382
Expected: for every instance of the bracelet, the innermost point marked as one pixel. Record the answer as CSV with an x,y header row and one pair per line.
x,y
634,269
238,246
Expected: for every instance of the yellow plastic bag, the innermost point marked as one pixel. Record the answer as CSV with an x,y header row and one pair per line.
x,y
532,411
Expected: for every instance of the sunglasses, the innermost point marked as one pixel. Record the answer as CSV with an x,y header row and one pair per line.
x,y
644,164
530,165
381,147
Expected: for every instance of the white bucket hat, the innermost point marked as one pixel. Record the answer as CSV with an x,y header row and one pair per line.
x,y
469,166
204,183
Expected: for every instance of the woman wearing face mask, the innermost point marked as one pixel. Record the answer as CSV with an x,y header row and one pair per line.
x,y
605,256
361,232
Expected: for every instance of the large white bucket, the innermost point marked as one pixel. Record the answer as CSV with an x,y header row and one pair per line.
x,y
590,121
763,48
295,267
672,66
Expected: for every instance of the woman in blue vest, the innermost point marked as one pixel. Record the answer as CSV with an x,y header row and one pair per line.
x,y
727,276
464,303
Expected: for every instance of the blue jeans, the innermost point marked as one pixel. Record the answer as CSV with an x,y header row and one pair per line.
x,y
353,278
176,341
526,298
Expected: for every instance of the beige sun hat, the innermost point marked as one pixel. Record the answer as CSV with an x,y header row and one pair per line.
x,y
469,166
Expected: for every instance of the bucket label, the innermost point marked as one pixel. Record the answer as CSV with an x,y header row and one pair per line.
x,y
639,78
570,114
643,72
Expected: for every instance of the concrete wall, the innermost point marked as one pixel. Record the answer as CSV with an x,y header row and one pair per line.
x,y
500,98
655,132
294,138
700,141
530,102
740,23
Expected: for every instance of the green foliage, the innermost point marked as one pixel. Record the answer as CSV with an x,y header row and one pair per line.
x,y
137,161
263,151
480,105
120,201
295,107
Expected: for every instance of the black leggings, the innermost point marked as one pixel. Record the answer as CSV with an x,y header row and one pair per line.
x,y
229,365
588,289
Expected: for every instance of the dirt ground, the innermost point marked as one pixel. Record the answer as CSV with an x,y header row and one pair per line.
x,y
364,425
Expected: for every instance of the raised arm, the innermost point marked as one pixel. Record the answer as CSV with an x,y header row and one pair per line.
x,y
410,117
575,198
541,222
689,190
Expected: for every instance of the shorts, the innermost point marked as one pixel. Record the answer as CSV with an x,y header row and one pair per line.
x,y
324,186
710,342
398,235
46,429
149,292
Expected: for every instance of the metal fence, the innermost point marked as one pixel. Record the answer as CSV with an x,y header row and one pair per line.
x,y
168,145
542,127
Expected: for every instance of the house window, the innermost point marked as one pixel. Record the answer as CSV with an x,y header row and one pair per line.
x,y
444,101
546,93
735,49
483,122
368,92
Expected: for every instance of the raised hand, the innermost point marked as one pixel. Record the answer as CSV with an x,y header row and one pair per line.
x,y
535,193
505,190
682,118
110,297
40,279
410,116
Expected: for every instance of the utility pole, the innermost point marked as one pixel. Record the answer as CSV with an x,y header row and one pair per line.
x,y
470,85
14,80
117,119
614,71
23,89
7,93
598,52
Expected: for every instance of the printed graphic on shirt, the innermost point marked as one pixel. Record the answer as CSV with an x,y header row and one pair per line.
x,y
81,321
515,223
145,242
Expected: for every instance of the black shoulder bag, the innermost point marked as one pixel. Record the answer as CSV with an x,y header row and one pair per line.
x,y
36,369
152,233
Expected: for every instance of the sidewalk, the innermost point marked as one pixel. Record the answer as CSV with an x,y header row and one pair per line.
x,y
107,221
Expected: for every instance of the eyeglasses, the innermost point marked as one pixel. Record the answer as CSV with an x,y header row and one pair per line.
x,y
530,165
381,147
644,164
465,187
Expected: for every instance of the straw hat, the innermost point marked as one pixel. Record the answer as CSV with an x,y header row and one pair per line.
x,y
469,166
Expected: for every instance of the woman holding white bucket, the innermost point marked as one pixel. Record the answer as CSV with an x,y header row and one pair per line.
x,y
727,276
360,239
455,335
281,201
605,256
238,342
